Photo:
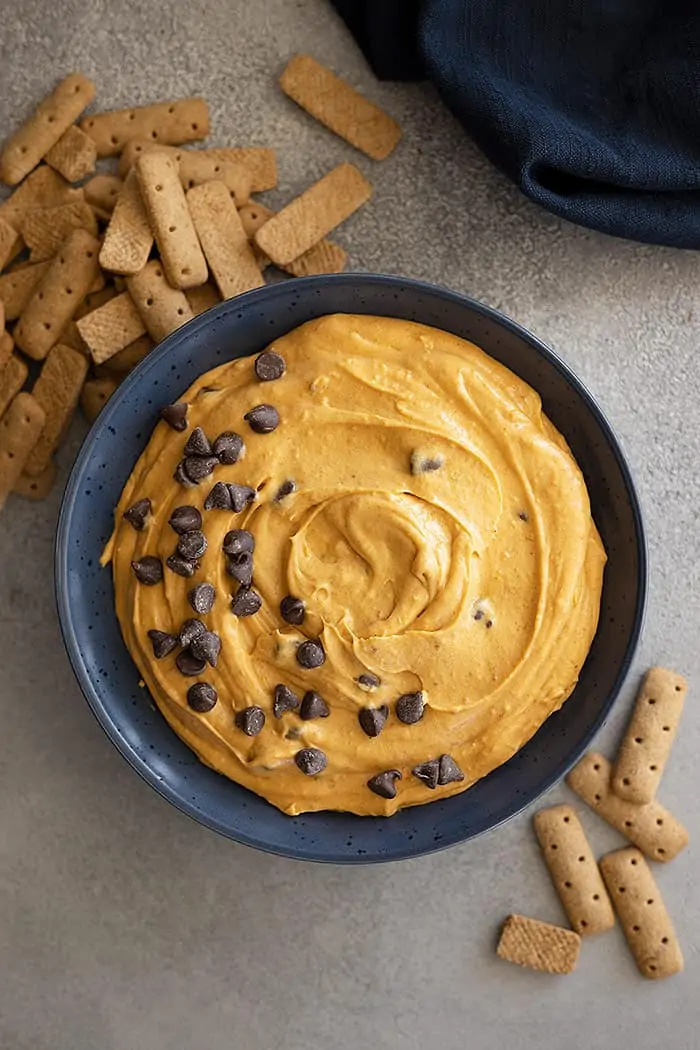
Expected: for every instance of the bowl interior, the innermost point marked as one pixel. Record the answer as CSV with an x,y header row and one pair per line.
x,y
109,679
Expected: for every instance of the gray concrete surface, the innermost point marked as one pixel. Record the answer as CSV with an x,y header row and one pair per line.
x,y
123,925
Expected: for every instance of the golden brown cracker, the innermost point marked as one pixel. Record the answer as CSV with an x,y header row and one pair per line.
x,y
23,150
538,945
258,161
170,123
45,230
43,188
642,913
74,155
17,288
96,393
194,167
12,379
162,308
111,327
102,192
333,102
121,363
647,742
57,391
307,219
164,198
10,243
128,239
223,239
38,487
652,828
202,298
574,870
7,345
324,257
19,430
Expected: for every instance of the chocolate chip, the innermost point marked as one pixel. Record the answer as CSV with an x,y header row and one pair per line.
x,y
263,419
409,708
206,646
188,664
313,706
197,468
311,761
479,615
238,541
489,623
219,498
241,496
384,784
162,642
148,570
523,515
201,598
428,772
189,631
292,610
137,513
185,519
198,444
449,770
229,447
181,566
201,697
285,699
175,415
311,654
269,366
250,720
191,545
240,566
181,476
373,719
422,464
286,489
368,681
246,602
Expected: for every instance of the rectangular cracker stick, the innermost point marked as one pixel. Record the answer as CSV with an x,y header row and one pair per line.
x,y
34,139
102,192
128,239
164,197
111,327
202,298
642,913
652,828
332,101
258,161
45,230
119,365
17,288
57,391
162,308
7,345
170,123
647,742
223,238
58,295
195,166
538,945
37,487
307,219
74,155
574,870
19,429
10,243
12,379
44,188
96,393
324,257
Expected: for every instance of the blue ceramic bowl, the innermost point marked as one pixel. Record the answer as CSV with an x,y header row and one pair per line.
x,y
109,679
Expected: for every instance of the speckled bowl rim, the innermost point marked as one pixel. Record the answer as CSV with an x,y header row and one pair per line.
x,y
154,360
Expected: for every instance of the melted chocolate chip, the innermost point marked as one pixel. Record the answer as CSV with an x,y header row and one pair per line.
x,y
489,623
197,444
313,706
201,697
368,681
409,708
188,664
449,770
373,719
229,447
263,419
428,772
181,477
201,598
286,489
197,468
422,464
206,646
250,720
523,515
175,415
189,630
219,497
269,366
185,519
238,541
285,699
241,496
191,545
162,642
137,513
148,570
181,566
479,614
311,654
240,566
311,761
384,784
246,602
292,610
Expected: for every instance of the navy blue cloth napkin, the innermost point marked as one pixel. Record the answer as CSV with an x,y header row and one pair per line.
x,y
591,106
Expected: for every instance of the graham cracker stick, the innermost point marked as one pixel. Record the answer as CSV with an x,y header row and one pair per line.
x,y
19,429
642,913
10,243
58,295
39,487
170,123
652,828
194,167
538,945
57,391
334,103
12,379
324,257
162,308
253,215
120,364
102,192
128,238
111,327
45,230
650,734
44,188
202,298
17,288
164,197
7,345
96,393
34,139
259,162
223,238
308,218
74,155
